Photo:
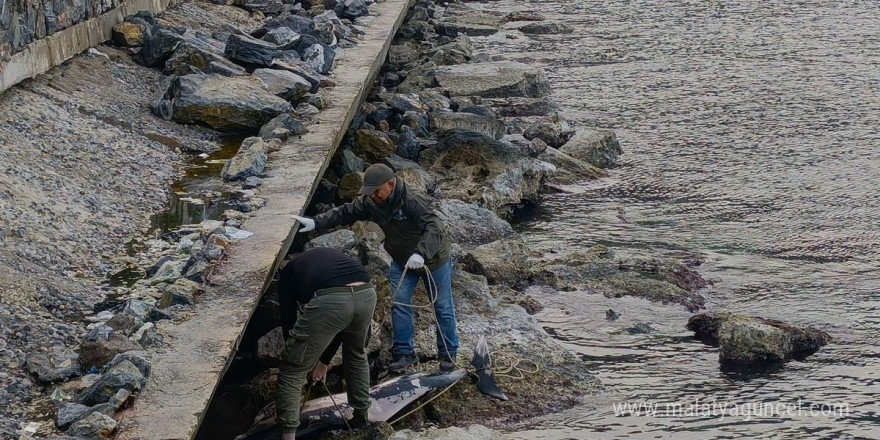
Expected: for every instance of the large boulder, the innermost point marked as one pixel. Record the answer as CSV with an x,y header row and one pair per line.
x,y
249,50
419,78
445,120
282,127
158,47
501,262
303,70
128,34
469,224
282,37
410,172
250,160
320,57
373,145
124,375
284,84
470,22
519,106
568,169
352,9
408,146
479,169
94,425
458,51
297,23
751,341
68,412
493,80
269,348
223,103
349,186
200,53
96,353
343,239
53,364
595,146
554,130
525,147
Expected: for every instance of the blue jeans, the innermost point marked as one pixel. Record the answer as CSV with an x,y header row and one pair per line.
x,y
402,316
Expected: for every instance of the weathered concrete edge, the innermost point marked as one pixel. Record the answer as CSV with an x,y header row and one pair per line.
x,y
43,54
200,349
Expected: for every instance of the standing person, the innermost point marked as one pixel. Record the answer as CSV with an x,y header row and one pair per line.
x,y
337,300
415,239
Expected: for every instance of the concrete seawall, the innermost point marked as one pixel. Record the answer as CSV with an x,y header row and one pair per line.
x,y
43,54
200,350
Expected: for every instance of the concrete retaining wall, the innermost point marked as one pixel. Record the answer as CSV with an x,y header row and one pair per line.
x,y
200,349
49,50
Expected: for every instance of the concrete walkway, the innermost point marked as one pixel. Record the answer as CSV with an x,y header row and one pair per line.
x,y
186,374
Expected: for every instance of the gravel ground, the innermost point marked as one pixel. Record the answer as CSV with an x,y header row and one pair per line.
x,y
83,166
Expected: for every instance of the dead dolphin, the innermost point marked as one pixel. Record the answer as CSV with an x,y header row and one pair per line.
x,y
388,399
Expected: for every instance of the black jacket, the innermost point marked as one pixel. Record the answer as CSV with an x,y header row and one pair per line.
x,y
408,220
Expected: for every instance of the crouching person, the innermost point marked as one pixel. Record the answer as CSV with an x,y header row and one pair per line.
x,y
337,301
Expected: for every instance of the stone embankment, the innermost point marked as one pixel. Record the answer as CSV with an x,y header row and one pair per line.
x,y
478,134
86,164
88,151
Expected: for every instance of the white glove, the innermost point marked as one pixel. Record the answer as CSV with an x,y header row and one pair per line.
x,y
307,223
416,261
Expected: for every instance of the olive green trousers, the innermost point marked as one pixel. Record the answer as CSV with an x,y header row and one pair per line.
x,y
338,310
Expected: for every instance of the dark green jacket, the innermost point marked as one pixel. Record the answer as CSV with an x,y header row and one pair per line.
x,y
408,220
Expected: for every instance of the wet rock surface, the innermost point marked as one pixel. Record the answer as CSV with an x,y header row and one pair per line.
x,y
750,341
598,271
223,103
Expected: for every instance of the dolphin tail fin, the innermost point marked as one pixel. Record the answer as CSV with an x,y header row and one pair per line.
x,y
482,363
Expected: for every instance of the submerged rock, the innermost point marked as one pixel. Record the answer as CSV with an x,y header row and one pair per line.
x,y
546,28
597,271
745,340
499,79
223,103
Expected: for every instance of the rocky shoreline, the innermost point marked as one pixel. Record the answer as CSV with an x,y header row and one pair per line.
x,y
75,330
474,130
477,133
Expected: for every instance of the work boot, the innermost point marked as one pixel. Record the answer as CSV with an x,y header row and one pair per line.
x,y
447,363
359,420
402,361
